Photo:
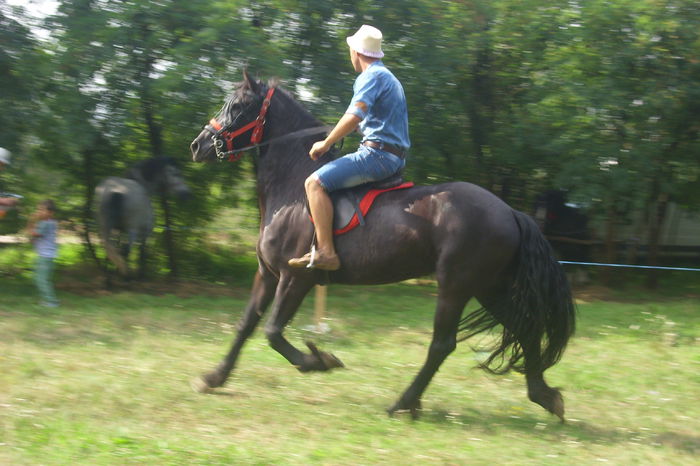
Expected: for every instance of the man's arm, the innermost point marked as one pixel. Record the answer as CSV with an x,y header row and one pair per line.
x,y
346,125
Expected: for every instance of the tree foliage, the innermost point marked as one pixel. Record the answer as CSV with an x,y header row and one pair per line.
x,y
599,98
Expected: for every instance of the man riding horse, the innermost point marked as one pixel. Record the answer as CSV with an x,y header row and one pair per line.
x,y
474,244
378,108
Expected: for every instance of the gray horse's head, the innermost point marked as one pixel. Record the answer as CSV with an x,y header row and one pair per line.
x,y
160,175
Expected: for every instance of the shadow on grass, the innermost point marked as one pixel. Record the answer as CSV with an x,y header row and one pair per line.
x,y
554,430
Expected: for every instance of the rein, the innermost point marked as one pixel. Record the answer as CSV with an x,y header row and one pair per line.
x,y
221,135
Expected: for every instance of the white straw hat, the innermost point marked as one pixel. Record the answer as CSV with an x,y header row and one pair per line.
x,y
367,41
4,156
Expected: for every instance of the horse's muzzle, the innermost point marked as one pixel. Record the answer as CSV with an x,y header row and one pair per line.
x,y
194,147
203,148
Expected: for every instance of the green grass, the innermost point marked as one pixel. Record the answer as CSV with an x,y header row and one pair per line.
x,y
104,379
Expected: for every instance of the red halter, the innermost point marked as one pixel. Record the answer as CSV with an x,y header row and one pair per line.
x,y
256,125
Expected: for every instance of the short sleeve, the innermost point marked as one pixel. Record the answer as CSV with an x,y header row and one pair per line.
x,y
366,89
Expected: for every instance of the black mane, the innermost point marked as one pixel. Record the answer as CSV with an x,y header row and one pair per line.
x,y
283,166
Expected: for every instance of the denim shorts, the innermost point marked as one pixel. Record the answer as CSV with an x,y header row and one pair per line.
x,y
365,165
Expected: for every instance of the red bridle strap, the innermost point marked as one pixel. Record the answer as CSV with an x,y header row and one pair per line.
x,y
256,125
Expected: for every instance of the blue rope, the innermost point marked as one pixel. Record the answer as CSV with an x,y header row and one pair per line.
x,y
686,269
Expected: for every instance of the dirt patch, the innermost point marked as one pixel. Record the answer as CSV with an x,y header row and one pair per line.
x,y
588,293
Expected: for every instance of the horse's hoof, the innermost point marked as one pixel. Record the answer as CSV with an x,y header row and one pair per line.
x,y
200,385
391,411
328,360
551,400
401,407
558,407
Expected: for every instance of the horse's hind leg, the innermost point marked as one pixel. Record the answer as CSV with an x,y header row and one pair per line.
x,y
262,294
537,389
447,316
529,337
290,293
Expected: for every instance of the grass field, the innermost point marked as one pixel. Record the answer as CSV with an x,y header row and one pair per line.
x,y
104,379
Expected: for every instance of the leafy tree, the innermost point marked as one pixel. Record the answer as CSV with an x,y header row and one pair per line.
x,y
621,92
139,80
23,67
598,97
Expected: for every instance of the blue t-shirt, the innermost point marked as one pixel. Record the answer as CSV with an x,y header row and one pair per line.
x,y
45,243
384,114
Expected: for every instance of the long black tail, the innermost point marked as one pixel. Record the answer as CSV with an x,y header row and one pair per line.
x,y
537,311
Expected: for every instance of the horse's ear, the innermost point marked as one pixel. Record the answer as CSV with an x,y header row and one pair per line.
x,y
250,83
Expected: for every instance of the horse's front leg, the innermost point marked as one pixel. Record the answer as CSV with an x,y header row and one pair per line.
x,y
262,294
290,293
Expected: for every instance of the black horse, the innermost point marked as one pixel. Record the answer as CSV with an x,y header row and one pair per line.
x,y
475,244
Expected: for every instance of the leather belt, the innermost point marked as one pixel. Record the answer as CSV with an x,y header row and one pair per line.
x,y
386,147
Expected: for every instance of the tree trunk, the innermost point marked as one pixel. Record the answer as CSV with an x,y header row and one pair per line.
x,y
168,236
479,110
478,105
88,217
155,136
656,222
610,245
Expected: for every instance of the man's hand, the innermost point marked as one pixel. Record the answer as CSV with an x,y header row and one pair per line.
x,y
345,126
318,149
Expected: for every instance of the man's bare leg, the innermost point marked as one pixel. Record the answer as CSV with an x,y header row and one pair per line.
x,y
322,212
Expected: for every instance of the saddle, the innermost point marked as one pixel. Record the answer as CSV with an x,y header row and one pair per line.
x,y
350,206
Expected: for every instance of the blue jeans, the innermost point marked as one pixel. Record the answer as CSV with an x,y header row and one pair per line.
x,y
365,165
42,278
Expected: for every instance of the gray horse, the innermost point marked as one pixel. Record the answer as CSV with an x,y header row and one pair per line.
x,y
123,207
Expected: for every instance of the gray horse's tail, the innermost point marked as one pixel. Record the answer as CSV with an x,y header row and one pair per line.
x,y
536,311
111,212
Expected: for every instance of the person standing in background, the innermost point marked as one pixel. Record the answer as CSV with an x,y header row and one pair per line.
x,y
42,229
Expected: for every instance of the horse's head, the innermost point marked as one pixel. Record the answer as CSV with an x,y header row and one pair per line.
x,y
174,183
161,175
238,124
